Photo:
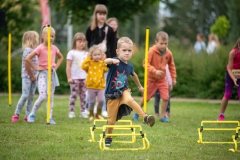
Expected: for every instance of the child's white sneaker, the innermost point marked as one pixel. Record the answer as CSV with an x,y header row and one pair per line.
x,y
71,115
83,115
104,114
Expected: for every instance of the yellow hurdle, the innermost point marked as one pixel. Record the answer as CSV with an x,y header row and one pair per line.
x,y
200,130
145,142
235,142
92,129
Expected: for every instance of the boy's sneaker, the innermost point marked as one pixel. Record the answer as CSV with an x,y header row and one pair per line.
x,y
83,115
156,114
71,115
31,118
221,117
150,120
91,118
25,119
108,142
52,121
15,118
135,116
87,112
99,117
164,119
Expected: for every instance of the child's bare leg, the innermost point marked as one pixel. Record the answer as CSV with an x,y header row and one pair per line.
x,y
164,107
223,105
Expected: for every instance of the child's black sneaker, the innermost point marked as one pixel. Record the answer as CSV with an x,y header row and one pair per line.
x,y
150,120
108,142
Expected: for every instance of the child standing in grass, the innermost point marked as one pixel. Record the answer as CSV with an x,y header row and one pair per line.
x,y
231,79
158,96
76,75
42,53
30,40
159,57
117,91
95,67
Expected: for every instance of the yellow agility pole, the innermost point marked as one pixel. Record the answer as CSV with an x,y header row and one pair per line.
x,y
200,130
92,129
146,71
9,71
49,75
145,142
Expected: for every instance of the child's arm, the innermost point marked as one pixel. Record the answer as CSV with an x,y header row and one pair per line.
x,y
86,64
112,61
136,80
68,71
229,67
28,60
59,61
29,71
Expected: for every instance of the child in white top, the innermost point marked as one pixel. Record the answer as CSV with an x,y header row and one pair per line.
x,y
42,53
30,40
76,75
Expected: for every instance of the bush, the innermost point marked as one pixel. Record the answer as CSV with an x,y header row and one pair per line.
x,y
198,75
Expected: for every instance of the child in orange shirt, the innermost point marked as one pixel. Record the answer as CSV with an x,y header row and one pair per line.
x,y
158,57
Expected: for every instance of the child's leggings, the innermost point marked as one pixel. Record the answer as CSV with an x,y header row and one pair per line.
x,y
229,84
92,94
42,89
78,87
28,91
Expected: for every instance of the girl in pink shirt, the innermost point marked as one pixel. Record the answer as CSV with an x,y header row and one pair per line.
x,y
231,79
42,53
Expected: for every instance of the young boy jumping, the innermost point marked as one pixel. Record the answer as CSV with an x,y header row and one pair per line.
x,y
158,57
117,92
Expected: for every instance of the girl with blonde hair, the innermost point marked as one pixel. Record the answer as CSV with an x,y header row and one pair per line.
x,y
30,41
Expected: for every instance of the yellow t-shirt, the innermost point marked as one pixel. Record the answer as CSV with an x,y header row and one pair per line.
x,y
95,73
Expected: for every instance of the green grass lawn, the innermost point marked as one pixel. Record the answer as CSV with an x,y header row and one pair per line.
x,y
69,138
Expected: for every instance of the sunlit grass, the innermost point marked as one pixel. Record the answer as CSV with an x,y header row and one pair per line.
x,y
69,138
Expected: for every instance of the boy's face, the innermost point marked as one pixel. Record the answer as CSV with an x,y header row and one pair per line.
x,y
125,52
161,44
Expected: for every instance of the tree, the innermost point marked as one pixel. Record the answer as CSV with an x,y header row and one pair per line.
x,y
81,12
220,27
20,17
234,17
189,17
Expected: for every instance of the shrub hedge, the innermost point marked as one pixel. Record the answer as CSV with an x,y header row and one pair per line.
x,y
198,75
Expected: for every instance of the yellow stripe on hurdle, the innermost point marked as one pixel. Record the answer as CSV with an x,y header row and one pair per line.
x,y
200,130
92,129
145,142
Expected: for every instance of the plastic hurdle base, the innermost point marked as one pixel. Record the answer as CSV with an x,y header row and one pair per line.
x,y
145,142
92,129
200,130
235,138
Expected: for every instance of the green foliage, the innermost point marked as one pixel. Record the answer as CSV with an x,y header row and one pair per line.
x,y
81,12
221,27
68,140
20,17
189,17
233,8
198,76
